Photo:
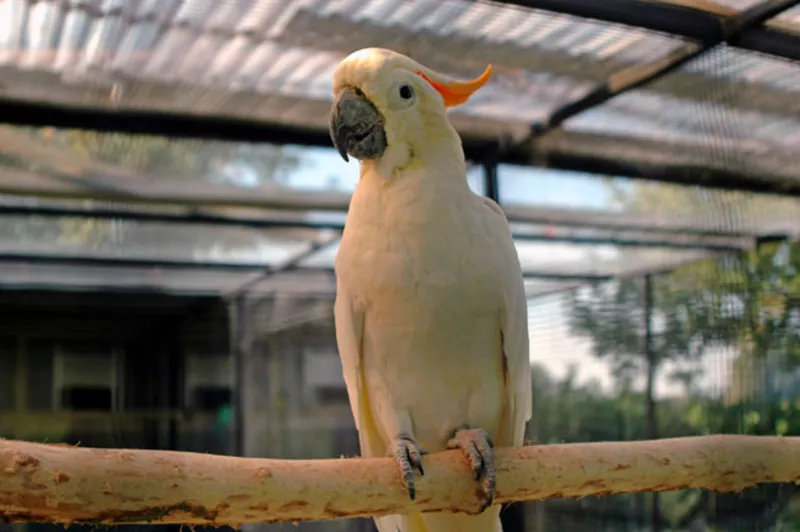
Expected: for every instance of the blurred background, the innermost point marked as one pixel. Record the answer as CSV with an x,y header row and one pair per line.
x,y
170,208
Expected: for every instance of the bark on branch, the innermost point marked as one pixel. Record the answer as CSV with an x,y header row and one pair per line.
x,y
64,484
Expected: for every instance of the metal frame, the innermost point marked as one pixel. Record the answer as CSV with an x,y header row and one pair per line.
x,y
258,269
528,154
678,19
707,27
128,262
292,264
709,241
725,31
658,161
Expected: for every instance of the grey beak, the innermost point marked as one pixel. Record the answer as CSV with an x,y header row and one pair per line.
x,y
356,126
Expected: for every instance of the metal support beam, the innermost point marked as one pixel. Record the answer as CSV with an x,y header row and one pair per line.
x,y
492,181
292,264
150,122
562,158
635,238
236,324
638,75
128,262
257,269
192,217
677,18
573,218
651,365
770,173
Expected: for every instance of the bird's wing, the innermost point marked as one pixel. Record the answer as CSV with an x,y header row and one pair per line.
x,y
349,323
514,328
349,333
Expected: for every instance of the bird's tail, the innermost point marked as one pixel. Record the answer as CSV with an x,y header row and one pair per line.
x,y
488,521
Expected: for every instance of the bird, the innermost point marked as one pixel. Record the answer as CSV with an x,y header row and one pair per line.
x,y
430,310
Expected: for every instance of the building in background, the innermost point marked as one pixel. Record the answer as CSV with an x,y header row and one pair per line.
x,y
158,371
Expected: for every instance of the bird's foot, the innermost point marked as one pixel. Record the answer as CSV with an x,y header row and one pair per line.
x,y
408,456
477,445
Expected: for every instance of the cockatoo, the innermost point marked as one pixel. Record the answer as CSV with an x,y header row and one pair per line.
x,y
430,312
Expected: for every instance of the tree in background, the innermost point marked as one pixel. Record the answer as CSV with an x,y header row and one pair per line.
x,y
235,162
748,303
240,164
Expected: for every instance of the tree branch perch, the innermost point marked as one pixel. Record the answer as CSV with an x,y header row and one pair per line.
x,y
64,484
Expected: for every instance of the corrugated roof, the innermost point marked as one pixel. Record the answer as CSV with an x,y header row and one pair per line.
x,y
272,61
224,57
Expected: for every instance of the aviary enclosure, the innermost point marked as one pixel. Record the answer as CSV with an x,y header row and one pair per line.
x,y
170,207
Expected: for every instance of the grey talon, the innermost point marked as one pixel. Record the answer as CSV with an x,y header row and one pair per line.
x,y
478,448
408,456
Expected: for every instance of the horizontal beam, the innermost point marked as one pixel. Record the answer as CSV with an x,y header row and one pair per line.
x,y
153,190
293,263
636,237
187,218
128,262
770,173
772,41
569,152
92,261
132,486
157,122
700,21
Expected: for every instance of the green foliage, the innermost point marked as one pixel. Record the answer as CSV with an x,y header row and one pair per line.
x,y
568,411
747,303
138,155
210,160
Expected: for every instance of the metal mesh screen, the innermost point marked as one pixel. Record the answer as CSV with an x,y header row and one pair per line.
x,y
710,346
205,266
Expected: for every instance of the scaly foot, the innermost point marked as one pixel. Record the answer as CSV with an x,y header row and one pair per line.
x,y
408,456
477,445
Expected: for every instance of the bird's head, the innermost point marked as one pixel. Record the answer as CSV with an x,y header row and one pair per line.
x,y
388,107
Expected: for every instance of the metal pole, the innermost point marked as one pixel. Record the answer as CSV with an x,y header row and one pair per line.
x,y
490,178
236,327
651,423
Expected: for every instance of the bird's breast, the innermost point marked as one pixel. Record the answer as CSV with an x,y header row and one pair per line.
x,y
423,249
420,268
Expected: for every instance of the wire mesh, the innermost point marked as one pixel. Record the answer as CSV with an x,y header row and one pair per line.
x,y
628,340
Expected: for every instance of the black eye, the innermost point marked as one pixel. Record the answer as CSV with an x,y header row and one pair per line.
x,y
405,92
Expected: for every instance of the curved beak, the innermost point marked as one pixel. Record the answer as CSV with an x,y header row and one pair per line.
x,y
356,126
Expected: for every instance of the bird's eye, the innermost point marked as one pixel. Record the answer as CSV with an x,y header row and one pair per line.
x,y
405,92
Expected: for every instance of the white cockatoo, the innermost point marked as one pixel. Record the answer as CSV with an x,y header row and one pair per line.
x,y
430,312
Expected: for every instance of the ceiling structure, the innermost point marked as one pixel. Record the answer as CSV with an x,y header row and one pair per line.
x,y
694,92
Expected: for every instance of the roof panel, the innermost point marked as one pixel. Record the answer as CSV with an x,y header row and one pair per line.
x,y
218,56
641,113
711,120
728,64
273,61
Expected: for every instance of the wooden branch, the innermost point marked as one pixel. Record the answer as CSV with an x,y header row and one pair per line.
x,y
64,484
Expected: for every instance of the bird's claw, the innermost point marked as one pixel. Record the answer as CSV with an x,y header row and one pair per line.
x,y
408,456
477,445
